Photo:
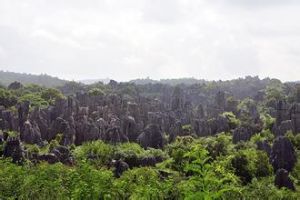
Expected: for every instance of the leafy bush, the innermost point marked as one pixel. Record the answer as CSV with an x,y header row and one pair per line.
x,y
264,135
142,183
268,120
177,151
265,189
295,139
203,182
97,153
55,181
51,94
7,99
219,145
250,163
188,128
233,121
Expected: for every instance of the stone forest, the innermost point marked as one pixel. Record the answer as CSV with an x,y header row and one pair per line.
x,y
172,139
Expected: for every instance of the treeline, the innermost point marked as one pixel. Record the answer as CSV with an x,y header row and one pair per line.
x,y
7,78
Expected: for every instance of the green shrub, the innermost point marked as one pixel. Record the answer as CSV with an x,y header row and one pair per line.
x,y
250,163
295,139
177,151
97,153
233,121
268,120
51,94
187,128
7,98
265,189
219,145
142,183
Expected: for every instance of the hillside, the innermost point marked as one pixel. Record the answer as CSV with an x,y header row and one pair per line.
x,y
44,80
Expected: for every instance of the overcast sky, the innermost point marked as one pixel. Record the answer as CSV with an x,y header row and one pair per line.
x,y
127,39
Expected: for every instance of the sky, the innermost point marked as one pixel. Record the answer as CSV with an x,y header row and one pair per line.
x,y
124,40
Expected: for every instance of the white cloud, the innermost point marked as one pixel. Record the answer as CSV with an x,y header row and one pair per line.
x,y
123,40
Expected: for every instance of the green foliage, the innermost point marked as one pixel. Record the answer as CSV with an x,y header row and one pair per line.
x,y
233,121
97,152
96,92
203,168
13,134
35,94
262,166
274,90
142,183
268,120
38,96
134,152
267,134
219,145
245,104
177,151
204,183
31,88
242,167
51,94
32,148
55,181
55,143
265,189
127,89
35,100
7,98
264,135
295,139
187,128
249,163
245,108
88,183
295,174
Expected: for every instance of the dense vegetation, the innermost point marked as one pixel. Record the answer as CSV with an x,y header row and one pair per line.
x,y
38,96
187,167
205,168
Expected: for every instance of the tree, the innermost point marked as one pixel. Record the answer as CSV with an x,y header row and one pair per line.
x,y
35,100
7,99
51,94
96,92
274,90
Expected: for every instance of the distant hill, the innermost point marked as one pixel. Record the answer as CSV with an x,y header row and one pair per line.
x,y
92,81
45,80
186,81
